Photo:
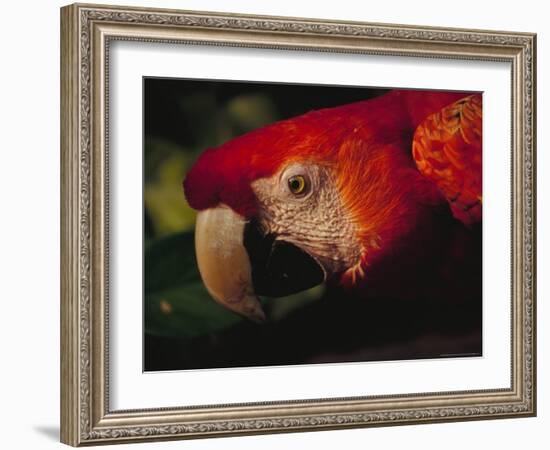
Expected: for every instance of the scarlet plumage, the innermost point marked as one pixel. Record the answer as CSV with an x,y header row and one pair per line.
x,y
224,174
370,146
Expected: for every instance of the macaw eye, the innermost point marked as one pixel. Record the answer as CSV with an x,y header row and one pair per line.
x,y
297,184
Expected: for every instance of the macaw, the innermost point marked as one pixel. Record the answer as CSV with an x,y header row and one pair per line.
x,y
381,197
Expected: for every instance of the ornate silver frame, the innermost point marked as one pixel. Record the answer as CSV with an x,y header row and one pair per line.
x,y
86,31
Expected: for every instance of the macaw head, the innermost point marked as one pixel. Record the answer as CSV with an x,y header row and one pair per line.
x,y
315,198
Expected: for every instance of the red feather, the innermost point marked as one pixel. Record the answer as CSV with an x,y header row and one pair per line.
x,y
402,216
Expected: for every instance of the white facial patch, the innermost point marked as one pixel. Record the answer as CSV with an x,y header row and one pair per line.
x,y
315,219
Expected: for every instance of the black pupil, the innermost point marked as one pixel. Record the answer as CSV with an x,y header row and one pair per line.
x,y
294,184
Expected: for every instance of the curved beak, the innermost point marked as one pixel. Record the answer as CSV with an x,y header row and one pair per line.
x,y
223,261
238,261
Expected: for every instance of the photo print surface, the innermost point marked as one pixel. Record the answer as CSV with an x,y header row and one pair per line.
x,y
303,224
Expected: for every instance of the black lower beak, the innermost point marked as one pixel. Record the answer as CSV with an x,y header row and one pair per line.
x,y
279,268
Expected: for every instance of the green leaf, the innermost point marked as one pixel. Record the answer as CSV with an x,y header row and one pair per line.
x,y
187,311
176,301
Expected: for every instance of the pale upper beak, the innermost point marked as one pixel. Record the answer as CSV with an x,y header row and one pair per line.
x,y
223,261
237,261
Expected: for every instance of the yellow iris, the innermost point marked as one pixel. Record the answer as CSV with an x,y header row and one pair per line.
x,y
297,184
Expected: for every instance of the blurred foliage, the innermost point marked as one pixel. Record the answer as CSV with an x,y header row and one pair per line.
x,y
163,197
251,111
176,301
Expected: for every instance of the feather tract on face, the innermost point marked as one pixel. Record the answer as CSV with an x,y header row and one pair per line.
x,y
316,224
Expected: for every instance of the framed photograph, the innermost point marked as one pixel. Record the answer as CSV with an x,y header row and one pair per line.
x,y
275,224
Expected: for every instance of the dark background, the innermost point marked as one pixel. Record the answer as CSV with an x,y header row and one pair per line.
x,y
184,327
